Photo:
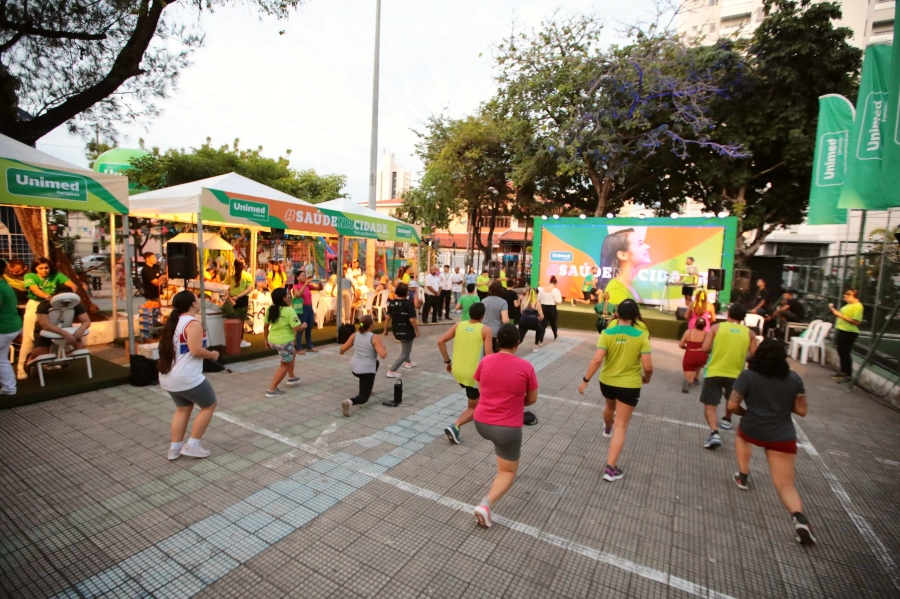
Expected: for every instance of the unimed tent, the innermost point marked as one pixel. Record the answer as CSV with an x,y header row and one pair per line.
x,y
34,179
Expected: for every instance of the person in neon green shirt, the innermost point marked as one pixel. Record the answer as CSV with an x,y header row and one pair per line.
x,y
503,278
623,352
481,284
471,340
240,284
729,345
847,321
281,325
588,288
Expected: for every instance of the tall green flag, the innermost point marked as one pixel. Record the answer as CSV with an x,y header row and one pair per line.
x,y
863,189
890,166
830,161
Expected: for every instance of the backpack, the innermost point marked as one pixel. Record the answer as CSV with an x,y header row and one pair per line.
x,y
400,321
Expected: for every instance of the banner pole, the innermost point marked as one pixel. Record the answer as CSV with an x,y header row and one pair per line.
x,y
112,270
858,270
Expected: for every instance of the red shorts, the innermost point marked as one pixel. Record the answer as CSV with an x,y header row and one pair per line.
x,y
780,446
693,360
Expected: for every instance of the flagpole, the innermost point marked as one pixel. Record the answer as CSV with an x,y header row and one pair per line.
x,y
858,270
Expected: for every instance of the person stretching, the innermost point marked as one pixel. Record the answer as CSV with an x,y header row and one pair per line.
x,y
507,385
771,392
367,348
623,350
471,341
694,356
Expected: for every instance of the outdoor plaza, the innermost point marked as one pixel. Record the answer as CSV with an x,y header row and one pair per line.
x,y
297,501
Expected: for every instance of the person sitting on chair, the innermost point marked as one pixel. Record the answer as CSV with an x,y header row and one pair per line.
x,y
75,340
790,310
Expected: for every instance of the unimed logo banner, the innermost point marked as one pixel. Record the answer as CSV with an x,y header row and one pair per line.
x,y
52,186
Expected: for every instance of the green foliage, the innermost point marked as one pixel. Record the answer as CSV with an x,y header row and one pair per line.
x,y
174,167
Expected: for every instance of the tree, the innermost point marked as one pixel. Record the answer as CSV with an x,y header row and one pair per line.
x,y
94,65
604,113
770,107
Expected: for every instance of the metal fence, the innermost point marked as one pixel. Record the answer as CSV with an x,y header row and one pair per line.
x,y
875,272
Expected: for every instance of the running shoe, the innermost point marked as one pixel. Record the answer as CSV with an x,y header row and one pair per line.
x,y
410,365
194,451
685,386
725,424
536,348
452,433
174,452
607,432
274,392
346,406
612,473
294,380
483,515
741,481
801,527
697,381
714,441
391,374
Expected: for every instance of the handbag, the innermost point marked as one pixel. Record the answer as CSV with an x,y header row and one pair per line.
x,y
602,318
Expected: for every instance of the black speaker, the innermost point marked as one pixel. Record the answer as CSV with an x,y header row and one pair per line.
x,y
181,260
741,280
681,313
715,279
278,232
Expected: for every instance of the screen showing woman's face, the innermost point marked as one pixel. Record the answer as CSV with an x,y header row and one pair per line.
x,y
638,251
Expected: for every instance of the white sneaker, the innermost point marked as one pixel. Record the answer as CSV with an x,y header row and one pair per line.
x,y
346,406
393,375
174,452
194,451
409,365
245,344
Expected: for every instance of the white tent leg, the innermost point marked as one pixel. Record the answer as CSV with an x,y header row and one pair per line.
x,y
202,270
339,317
253,251
44,230
112,270
129,293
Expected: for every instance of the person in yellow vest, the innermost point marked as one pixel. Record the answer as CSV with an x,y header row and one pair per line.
x,y
729,345
471,340
847,321
482,283
503,279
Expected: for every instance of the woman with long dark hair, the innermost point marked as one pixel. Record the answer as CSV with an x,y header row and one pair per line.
x,y
41,284
549,297
182,349
532,317
771,392
367,348
694,356
281,326
621,255
623,351
240,285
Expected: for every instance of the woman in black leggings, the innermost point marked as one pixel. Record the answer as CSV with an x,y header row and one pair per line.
x,y
548,297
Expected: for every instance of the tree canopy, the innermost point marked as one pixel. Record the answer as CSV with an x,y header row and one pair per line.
x,y
97,64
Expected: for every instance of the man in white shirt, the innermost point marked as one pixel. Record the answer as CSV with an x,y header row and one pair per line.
x,y
432,295
456,280
446,291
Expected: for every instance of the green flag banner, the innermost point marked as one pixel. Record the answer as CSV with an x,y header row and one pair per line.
x,y
862,189
830,162
890,166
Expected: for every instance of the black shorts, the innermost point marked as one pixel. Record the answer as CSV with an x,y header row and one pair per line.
x,y
714,389
495,345
588,295
472,393
688,290
627,395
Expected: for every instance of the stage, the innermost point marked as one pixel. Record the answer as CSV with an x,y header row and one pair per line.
x,y
662,325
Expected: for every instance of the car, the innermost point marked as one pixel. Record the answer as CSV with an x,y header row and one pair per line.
x,y
92,261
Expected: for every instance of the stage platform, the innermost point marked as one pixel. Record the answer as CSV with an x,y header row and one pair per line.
x,y
660,324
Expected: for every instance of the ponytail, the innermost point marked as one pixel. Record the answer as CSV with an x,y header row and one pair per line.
x,y
278,296
181,303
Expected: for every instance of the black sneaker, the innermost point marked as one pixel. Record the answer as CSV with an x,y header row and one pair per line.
x,y
801,527
741,481
838,375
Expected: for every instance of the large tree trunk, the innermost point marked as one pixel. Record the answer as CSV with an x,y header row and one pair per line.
x,y
30,222
602,187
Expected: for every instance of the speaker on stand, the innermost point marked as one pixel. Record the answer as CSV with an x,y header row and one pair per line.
x,y
181,261
741,280
715,279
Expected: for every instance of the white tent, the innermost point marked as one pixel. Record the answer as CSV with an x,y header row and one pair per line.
x,y
211,241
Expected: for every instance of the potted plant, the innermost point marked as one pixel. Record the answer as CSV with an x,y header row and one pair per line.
x,y
234,327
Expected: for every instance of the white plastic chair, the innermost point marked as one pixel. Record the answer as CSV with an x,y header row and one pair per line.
x,y
381,305
62,313
367,308
815,342
809,333
756,322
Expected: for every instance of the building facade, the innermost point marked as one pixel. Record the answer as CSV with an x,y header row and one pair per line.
x,y
392,180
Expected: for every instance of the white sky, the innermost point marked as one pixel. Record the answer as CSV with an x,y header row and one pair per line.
x,y
310,90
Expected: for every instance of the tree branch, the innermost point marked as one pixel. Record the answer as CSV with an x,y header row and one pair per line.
x,y
28,28
768,170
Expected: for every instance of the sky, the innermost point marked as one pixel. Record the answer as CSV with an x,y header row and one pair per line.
x,y
310,90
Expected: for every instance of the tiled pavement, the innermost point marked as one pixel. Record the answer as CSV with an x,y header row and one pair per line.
x,y
298,501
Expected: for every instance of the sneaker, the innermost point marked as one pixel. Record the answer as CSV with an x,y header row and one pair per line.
x,y
612,473
194,451
409,365
452,433
685,386
801,527
391,374
742,481
174,453
838,375
714,441
845,379
725,424
697,381
535,349
294,380
607,432
483,515
274,392
346,406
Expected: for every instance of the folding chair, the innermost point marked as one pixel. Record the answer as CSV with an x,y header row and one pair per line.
x,y
62,313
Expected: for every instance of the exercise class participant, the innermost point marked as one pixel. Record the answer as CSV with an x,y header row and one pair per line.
x,y
771,392
471,340
401,313
531,318
281,326
496,310
367,348
507,384
307,315
729,345
694,356
549,297
623,352
180,368
10,328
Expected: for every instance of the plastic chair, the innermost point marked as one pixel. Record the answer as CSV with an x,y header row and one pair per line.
x,y
815,342
368,307
794,346
381,305
755,322
62,313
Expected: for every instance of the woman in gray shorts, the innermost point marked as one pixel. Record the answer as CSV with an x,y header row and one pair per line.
x,y
182,349
506,384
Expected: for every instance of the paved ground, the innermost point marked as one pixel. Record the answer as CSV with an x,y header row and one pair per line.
x,y
298,501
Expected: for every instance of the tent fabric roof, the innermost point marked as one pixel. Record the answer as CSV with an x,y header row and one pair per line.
x,y
10,148
348,206
211,241
184,200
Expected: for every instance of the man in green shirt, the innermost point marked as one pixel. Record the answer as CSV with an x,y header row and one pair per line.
x,y
482,283
588,288
847,321
466,302
729,344
10,327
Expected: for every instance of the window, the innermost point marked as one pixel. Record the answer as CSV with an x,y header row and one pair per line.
x,y
883,27
501,222
712,27
394,185
736,21
800,250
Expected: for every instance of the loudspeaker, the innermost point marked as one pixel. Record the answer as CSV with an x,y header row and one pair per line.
x,y
715,279
741,280
181,259
681,313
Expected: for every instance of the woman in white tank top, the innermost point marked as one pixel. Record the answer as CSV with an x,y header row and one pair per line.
x,y
182,349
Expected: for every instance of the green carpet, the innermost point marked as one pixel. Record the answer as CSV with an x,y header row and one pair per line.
x,y
583,318
67,381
